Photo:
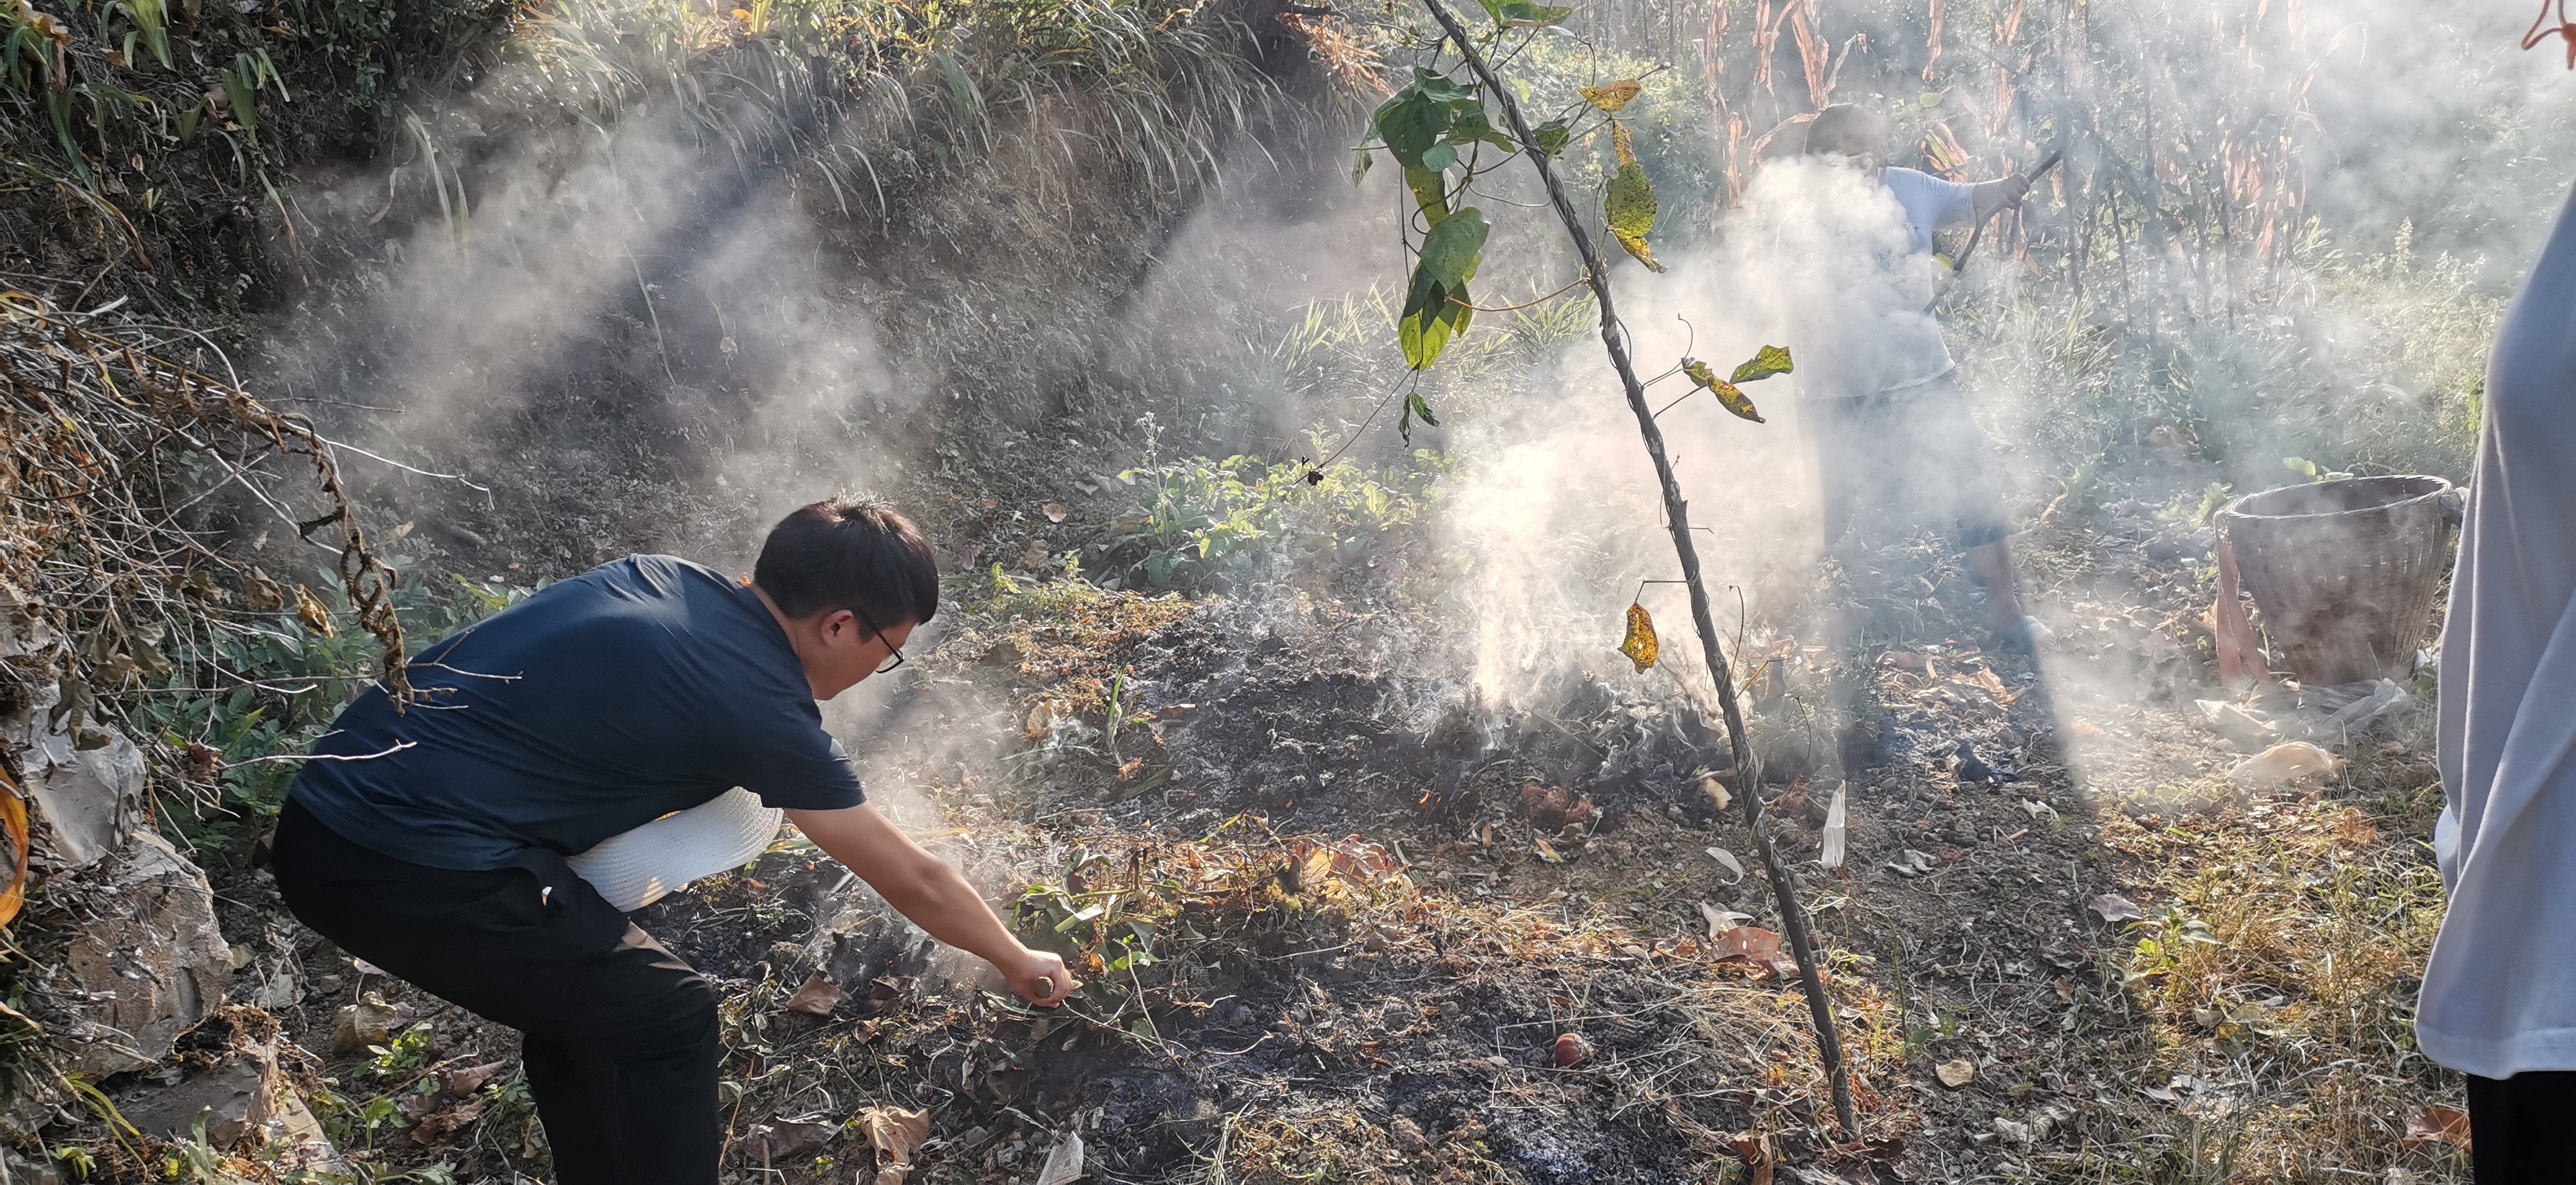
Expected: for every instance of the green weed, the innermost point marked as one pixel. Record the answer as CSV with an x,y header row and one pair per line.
x,y
287,680
1202,521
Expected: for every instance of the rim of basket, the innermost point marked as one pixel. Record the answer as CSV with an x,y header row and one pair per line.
x,y
2441,486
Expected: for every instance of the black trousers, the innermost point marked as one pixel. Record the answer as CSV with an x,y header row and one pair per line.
x,y
1904,459
2518,1128
621,1040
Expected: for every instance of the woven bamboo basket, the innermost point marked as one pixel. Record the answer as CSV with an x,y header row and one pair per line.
x,y
2345,571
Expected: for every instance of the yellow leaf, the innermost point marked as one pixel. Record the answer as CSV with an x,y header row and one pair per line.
x,y
310,610
1629,201
1624,143
1637,247
1640,645
1610,96
1727,393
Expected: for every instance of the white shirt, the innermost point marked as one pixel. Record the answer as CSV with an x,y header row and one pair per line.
x,y
1847,262
2499,994
1929,202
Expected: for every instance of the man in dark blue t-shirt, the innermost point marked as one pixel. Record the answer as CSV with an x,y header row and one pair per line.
x,y
431,838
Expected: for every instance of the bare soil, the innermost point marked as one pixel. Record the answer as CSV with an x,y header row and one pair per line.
x,y
1369,949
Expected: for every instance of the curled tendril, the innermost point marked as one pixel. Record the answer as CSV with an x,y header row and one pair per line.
x,y
2542,26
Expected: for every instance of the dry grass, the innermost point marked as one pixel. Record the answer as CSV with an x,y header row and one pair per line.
x,y
2278,970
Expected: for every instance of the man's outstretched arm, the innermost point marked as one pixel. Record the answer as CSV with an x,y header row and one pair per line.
x,y
934,895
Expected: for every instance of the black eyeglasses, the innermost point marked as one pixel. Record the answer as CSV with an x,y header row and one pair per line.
x,y
890,663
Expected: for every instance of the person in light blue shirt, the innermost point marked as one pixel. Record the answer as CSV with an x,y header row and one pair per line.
x,y
1892,433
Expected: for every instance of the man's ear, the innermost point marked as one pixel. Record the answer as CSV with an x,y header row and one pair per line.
x,y
838,621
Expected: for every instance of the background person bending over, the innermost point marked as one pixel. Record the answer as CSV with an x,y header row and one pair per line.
x,y
1891,431
436,847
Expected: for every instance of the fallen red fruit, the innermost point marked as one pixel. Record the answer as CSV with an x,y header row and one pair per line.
x,y
1570,1049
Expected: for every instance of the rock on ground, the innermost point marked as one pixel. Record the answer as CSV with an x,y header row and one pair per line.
x,y
234,1096
148,963
241,1099
87,800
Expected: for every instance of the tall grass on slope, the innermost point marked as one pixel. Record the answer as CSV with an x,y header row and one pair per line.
x,y
829,84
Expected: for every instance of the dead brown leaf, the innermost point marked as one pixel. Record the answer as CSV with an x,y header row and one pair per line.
x,y
472,1078
894,1134
818,997
1553,807
782,1140
439,1125
1055,511
370,1021
2116,908
1756,1151
1746,942
2283,764
2433,1122
1956,1072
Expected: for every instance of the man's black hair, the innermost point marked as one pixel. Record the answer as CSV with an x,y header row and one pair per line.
x,y
1848,128
850,553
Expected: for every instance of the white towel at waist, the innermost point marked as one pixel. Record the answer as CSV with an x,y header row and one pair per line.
x,y
637,868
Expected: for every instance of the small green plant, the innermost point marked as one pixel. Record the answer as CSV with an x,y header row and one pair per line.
x,y
1107,929
252,71
76,1158
1204,521
195,1160
2312,471
2183,509
405,1052
151,23
238,747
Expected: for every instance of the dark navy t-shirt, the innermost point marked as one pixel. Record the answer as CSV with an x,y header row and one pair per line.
x,y
644,686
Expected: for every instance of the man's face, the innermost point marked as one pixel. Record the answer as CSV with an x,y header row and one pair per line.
x,y
840,650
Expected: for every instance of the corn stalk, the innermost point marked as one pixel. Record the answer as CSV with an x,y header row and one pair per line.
x,y
1793,916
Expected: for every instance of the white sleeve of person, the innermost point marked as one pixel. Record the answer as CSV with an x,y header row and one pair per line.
x,y
1930,203
637,868
2499,994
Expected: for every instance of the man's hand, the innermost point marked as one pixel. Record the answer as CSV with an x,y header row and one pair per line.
x,y
1039,977
924,888
2013,188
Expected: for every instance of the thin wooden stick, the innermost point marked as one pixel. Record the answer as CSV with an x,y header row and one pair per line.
x,y
1793,917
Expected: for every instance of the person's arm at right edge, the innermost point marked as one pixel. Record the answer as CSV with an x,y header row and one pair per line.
x,y
934,895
